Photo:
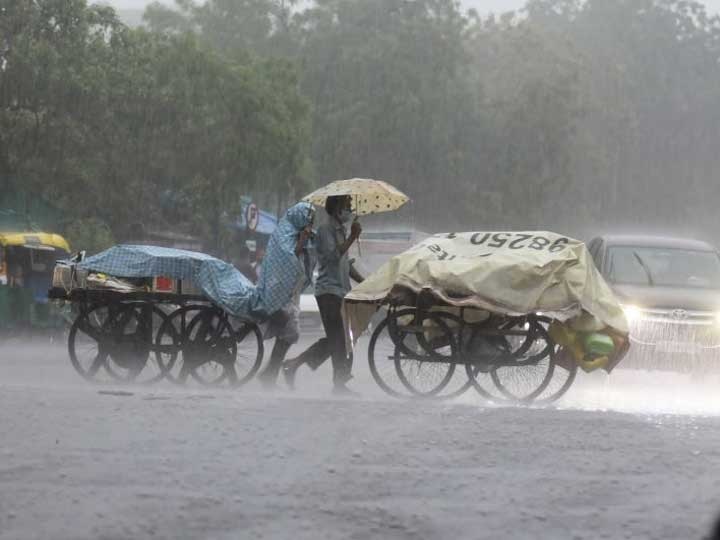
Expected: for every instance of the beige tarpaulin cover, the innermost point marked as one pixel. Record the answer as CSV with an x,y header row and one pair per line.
x,y
509,273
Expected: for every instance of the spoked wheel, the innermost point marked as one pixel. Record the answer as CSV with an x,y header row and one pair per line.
x,y
215,350
563,375
249,353
531,365
490,346
482,354
132,337
561,381
209,349
381,361
88,343
170,339
459,383
519,364
515,363
421,351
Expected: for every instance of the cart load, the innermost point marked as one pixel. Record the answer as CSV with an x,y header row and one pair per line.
x,y
500,303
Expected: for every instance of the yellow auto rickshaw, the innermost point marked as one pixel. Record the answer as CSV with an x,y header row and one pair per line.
x,y
27,260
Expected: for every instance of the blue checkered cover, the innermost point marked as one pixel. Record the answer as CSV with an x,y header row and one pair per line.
x,y
283,273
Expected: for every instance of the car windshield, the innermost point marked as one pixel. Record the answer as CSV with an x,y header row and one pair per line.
x,y
663,267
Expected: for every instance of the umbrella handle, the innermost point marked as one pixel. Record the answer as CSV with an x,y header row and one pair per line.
x,y
357,241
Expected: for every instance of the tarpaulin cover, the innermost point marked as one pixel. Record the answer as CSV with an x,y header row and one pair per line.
x,y
508,273
283,273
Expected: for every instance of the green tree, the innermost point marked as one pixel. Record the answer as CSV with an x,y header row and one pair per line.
x,y
230,26
650,89
49,54
389,93
133,126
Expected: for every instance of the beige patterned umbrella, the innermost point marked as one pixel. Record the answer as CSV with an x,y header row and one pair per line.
x,y
369,196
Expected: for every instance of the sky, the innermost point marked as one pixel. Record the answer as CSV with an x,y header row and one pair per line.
x,y
507,5
484,6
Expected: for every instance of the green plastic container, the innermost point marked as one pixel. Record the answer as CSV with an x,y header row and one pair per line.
x,y
598,344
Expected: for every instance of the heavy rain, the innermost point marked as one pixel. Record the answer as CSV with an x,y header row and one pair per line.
x,y
348,269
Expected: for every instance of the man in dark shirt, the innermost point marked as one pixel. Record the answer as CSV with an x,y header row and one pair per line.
x,y
285,324
332,243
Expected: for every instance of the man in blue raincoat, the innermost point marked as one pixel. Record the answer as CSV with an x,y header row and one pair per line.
x,y
287,271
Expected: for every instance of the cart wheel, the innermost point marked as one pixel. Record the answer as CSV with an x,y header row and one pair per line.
x,y
381,361
170,339
484,352
560,383
133,330
563,376
88,342
427,352
215,352
250,351
460,382
532,370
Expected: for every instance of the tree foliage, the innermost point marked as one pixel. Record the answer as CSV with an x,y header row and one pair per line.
x,y
570,114
131,126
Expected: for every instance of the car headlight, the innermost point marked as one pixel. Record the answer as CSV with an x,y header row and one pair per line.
x,y
633,313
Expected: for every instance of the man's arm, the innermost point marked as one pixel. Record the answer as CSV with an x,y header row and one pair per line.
x,y
355,275
355,230
302,239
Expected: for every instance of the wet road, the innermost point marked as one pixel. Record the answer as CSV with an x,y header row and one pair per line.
x,y
635,455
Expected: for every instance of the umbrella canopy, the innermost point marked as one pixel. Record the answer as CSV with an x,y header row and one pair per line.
x,y
369,196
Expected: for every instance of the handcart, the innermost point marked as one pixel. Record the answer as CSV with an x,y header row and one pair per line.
x,y
497,312
149,329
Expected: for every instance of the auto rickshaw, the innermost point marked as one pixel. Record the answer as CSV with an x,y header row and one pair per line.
x,y
27,260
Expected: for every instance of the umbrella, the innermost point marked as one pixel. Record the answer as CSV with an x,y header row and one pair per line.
x,y
369,196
